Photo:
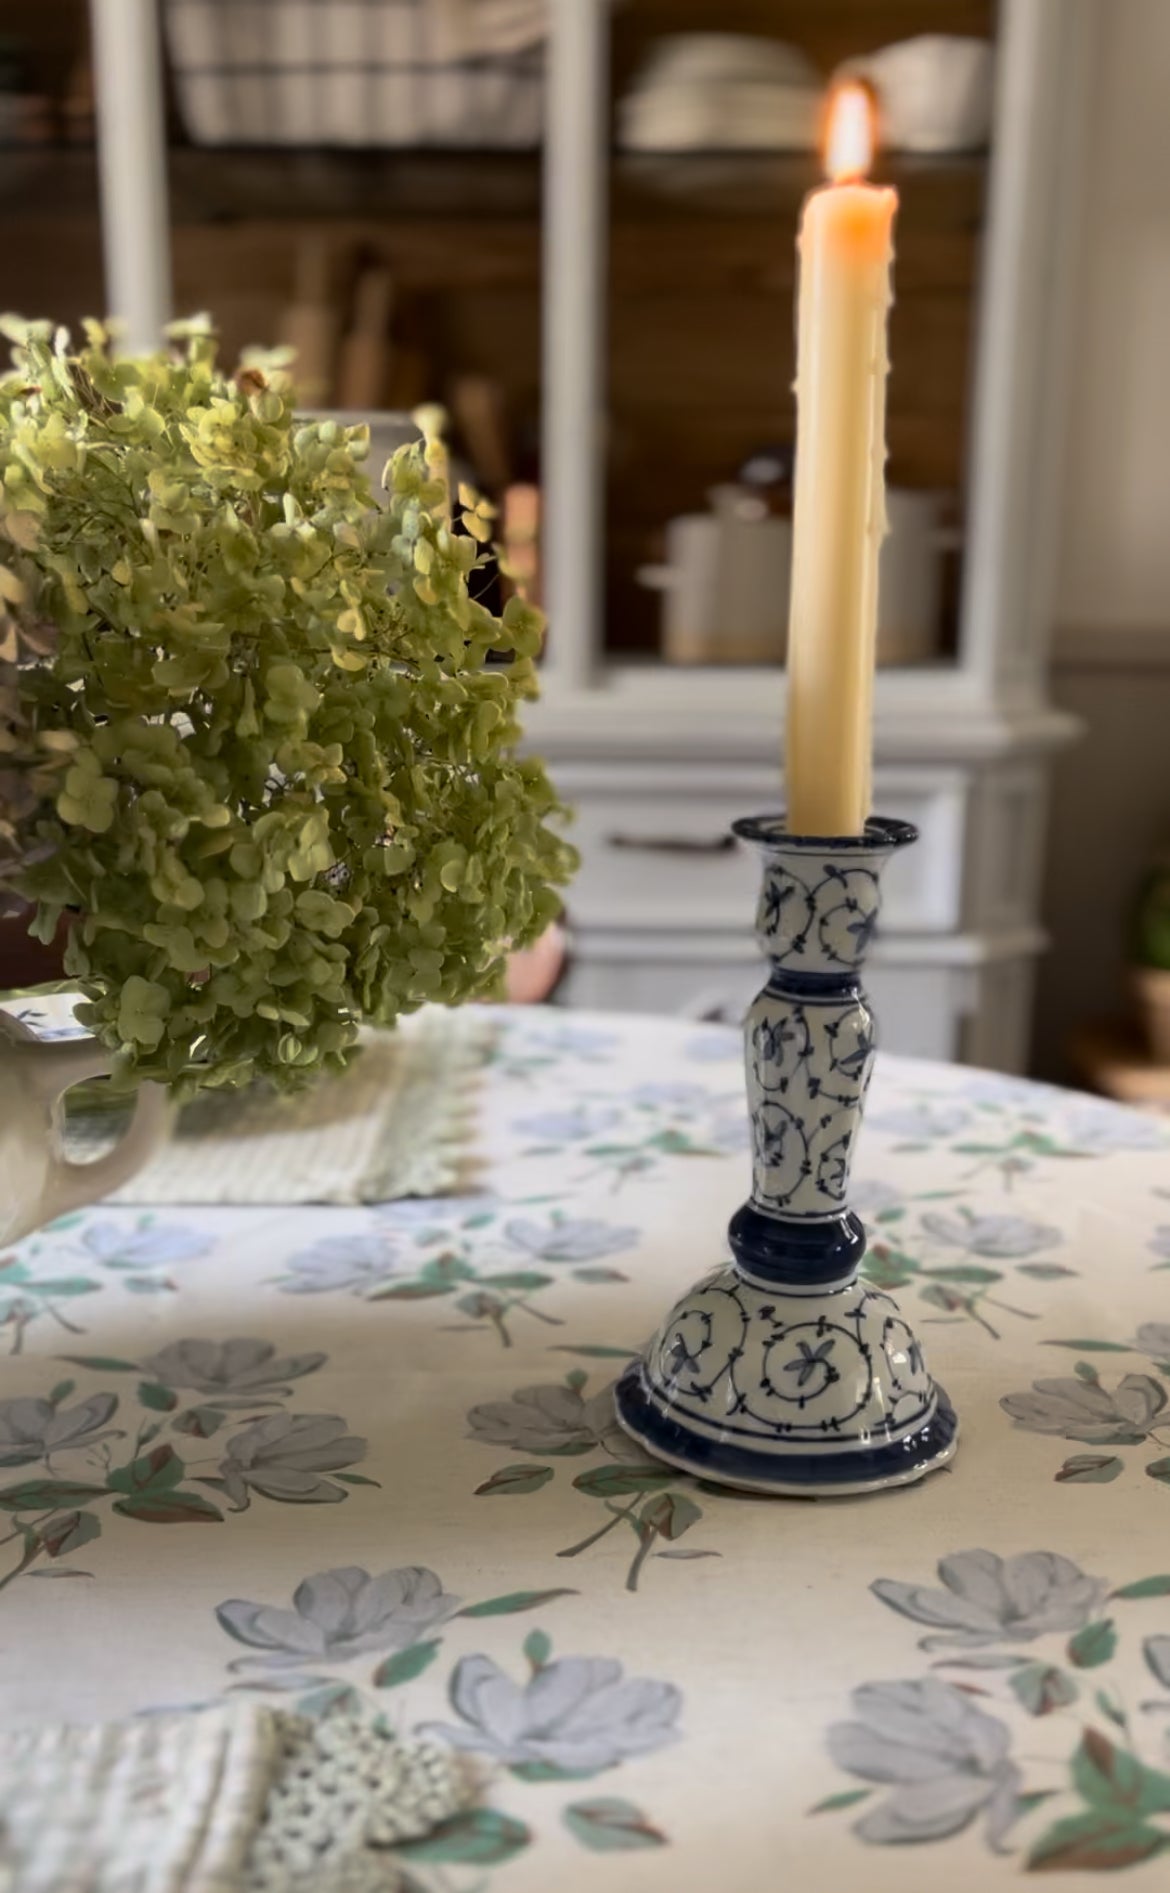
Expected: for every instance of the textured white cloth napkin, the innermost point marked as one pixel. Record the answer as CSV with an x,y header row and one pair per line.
x,y
232,1799
396,1123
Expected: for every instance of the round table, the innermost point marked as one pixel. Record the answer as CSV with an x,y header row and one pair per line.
x,y
382,1444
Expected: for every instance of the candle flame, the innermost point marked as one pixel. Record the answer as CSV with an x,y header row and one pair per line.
x,y
850,139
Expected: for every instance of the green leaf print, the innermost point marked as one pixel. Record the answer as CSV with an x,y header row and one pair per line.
x,y
405,1665
834,1803
101,1363
511,1481
513,1601
68,1531
1090,1469
670,1515
35,1495
611,1482
479,1837
1095,1842
1040,1688
1093,1645
1091,1347
153,1472
1145,1587
169,1508
537,1648
611,1825
158,1398
1111,1777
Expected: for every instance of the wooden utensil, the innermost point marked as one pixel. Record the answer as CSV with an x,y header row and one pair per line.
x,y
310,324
364,367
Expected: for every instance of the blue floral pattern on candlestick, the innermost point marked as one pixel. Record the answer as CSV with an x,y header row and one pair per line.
x,y
740,1360
817,913
808,1069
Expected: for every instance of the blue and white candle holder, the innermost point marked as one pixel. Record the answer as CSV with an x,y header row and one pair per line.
x,y
782,1372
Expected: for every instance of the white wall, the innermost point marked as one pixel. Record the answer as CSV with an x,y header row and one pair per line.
x,y
1111,648
1115,552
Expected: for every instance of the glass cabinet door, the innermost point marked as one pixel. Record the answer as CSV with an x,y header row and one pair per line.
x,y
716,113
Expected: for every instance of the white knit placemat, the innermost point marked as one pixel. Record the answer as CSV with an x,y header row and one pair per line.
x,y
398,1122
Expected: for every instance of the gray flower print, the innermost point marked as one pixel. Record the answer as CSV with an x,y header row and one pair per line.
x,y
987,1599
553,1420
1156,1651
121,1245
340,1614
339,1262
924,1120
569,1126
1160,1241
578,1713
679,1096
1101,1128
731,1131
569,1041
1153,1340
560,1240
1085,1410
1004,1238
414,1213
998,1088
713,1045
870,1196
284,1456
944,1760
241,1367
35,1429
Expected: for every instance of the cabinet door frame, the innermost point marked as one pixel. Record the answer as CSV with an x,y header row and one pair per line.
x,y
1022,346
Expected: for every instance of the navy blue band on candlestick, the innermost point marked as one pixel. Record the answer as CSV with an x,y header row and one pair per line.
x,y
884,1465
786,1251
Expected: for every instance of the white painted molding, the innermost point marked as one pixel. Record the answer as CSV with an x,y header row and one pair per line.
x,y
727,716
573,401
1022,364
738,948
132,167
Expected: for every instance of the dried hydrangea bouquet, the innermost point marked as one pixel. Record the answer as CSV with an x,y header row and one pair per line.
x,y
252,738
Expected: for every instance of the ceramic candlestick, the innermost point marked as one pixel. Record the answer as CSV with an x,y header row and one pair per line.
x,y
781,1371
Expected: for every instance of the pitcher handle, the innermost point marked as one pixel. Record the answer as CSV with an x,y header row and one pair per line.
x,y
61,1064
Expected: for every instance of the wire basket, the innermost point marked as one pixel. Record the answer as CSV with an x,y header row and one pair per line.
x,y
360,73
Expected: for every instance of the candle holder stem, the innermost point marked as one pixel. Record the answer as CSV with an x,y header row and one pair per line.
x,y
781,1372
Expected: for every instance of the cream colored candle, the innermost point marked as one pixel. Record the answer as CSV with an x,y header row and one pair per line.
x,y
846,247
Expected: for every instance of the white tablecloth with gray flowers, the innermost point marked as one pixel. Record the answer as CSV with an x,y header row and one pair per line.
x,y
367,1456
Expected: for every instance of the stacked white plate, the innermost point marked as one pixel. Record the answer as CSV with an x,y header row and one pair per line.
x,y
359,72
722,92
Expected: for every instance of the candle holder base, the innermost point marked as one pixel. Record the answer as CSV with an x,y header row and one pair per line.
x,y
801,1395
782,1372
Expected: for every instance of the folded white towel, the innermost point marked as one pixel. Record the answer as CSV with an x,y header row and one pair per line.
x,y
232,1799
167,1804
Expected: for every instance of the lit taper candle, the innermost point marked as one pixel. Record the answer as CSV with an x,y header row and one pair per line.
x,y
846,248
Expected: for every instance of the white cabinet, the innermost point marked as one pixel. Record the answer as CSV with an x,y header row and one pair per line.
x,y
659,762
661,911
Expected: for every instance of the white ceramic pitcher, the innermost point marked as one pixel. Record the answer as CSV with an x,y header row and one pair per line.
x,y
37,1180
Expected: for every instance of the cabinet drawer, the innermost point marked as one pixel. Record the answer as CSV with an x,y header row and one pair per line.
x,y
655,859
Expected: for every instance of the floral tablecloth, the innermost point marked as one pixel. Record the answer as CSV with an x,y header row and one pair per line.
x,y
367,1456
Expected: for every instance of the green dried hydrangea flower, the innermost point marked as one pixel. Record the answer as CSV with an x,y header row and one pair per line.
x,y
275,777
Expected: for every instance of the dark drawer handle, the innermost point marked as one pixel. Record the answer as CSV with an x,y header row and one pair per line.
x,y
673,844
